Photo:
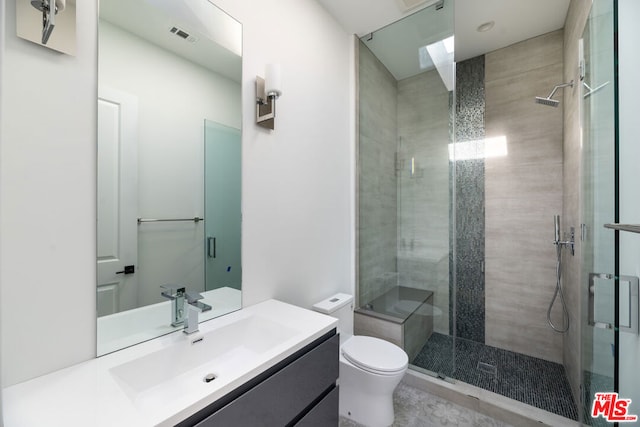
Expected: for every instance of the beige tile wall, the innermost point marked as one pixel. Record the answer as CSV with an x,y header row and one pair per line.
x,y
523,192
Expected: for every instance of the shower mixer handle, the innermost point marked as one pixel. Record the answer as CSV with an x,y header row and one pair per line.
x,y
569,240
570,243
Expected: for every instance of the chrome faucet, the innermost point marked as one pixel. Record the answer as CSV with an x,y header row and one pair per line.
x,y
176,293
193,306
185,306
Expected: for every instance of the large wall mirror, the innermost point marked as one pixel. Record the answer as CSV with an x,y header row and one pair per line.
x,y
169,164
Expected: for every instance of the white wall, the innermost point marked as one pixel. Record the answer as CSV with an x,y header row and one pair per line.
x,y
298,226
47,201
174,97
298,239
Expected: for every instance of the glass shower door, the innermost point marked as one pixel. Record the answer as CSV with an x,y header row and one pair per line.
x,y
599,281
222,206
405,237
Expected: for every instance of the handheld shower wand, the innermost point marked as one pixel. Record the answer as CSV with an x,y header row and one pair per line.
x,y
559,245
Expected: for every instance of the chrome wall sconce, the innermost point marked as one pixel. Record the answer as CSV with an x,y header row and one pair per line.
x,y
49,9
268,89
48,23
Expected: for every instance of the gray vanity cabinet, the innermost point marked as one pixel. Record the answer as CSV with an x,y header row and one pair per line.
x,y
299,391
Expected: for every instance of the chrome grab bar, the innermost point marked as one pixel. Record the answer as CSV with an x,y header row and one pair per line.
x,y
211,247
633,301
194,219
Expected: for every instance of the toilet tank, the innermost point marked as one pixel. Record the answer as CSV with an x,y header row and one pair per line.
x,y
339,306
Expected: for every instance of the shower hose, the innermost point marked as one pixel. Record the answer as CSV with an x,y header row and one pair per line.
x,y
565,312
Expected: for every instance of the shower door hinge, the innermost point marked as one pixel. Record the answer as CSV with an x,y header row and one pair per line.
x,y
582,67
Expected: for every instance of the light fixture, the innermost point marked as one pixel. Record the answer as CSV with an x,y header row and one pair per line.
x,y
267,91
483,28
49,9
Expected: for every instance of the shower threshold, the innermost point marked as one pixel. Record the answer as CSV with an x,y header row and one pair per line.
x,y
499,407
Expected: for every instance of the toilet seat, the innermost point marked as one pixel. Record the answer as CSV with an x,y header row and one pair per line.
x,y
375,355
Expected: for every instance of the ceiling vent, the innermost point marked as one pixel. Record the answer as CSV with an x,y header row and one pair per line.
x,y
407,5
182,34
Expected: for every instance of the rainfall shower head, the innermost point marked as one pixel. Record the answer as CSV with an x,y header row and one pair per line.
x,y
548,100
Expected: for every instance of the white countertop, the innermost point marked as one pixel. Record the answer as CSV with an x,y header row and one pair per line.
x,y
90,394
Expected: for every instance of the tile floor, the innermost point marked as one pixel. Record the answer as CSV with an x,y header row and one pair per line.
x,y
416,408
527,379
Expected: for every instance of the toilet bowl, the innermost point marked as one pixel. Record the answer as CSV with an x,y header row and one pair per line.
x,y
370,368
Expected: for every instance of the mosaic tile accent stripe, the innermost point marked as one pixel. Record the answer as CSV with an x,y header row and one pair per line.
x,y
530,380
469,203
470,105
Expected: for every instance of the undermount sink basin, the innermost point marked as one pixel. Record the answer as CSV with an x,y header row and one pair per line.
x,y
218,353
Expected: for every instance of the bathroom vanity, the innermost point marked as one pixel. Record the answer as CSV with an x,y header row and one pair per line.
x,y
279,360
301,390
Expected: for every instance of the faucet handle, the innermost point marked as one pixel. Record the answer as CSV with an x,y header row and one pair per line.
x,y
172,291
193,296
193,300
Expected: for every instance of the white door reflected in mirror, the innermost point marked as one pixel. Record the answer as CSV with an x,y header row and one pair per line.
x,y
116,207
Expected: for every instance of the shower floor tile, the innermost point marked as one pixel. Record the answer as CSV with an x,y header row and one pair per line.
x,y
594,382
530,380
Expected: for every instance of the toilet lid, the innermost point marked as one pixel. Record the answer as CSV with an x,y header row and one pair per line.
x,y
375,354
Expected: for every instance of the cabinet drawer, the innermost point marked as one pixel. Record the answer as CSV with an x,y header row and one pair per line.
x,y
324,414
282,397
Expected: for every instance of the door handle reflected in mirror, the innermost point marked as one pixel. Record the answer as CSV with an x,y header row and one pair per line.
x,y
211,247
128,269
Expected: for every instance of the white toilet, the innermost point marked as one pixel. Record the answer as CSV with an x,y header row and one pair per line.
x,y
370,368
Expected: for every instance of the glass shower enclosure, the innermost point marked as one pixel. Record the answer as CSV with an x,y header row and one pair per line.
x,y
222,176
459,176
405,192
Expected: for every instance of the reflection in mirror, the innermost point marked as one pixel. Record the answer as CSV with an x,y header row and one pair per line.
x,y
169,164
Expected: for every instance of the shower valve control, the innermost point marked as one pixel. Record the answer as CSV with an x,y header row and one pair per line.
x,y
570,240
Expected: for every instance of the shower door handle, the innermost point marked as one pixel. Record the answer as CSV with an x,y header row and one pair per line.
x,y
631,302
211,247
